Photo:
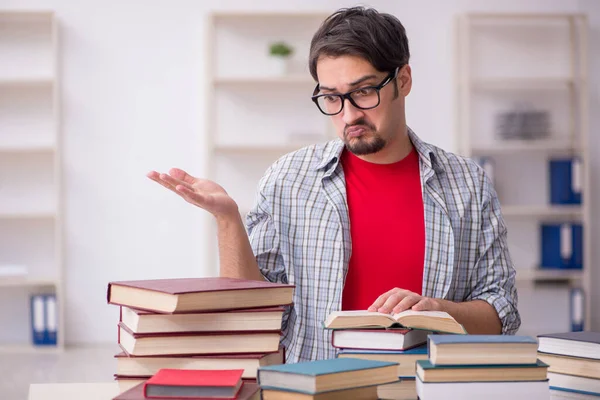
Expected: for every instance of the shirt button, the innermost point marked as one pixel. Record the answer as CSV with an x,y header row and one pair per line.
x,y
340,275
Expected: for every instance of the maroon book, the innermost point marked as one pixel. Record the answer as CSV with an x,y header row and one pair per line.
x,y
198,294
249,391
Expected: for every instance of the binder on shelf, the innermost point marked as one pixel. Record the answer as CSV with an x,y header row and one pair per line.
x,y
562,246
577,309
565,181
44,320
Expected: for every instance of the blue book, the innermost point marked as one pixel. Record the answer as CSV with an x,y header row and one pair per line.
x,y
482,349
572,344
415,350
326,375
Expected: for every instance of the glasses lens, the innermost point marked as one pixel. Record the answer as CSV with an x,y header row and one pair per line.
x,y
366,97
330,104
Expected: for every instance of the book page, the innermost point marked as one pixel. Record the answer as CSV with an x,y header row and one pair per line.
x,y
426,314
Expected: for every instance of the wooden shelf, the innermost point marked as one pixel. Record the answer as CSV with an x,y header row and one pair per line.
x,y
27,215
554,275
266,80
24,282
26,81
525,146
567,211
27,148
522,83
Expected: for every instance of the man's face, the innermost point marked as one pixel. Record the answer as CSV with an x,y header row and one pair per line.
x,y
364,131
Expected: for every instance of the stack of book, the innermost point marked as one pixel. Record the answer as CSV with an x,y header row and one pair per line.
x,y
333,379
482,367
574,364
193,384
400,338
197,324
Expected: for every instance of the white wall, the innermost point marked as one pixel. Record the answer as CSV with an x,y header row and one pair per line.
x,y
133,100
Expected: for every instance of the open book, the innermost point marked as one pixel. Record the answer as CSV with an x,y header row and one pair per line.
x,y
435,321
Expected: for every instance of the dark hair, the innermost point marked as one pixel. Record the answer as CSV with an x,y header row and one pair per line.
x,y
377,37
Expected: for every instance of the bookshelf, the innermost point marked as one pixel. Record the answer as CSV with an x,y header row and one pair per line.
x,y
256,113
523,64
30,176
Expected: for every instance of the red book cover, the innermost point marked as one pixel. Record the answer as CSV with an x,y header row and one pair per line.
x,y
249,391
240,310
175,378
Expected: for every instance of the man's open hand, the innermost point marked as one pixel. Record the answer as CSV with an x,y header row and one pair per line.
x,y
398,300
199,192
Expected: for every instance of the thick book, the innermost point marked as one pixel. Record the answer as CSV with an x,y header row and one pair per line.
x,y
149,365
359,393
435,321
574,344
428,372
326,375
256,319
531,390
194,384
378,339
574,383
249,391
172,296
577,366
406,359
196,343
404,389
481,349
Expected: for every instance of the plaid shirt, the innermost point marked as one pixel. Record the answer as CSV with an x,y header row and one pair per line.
x,y
300,233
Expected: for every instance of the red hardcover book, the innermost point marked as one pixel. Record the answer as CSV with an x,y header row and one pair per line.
x,y
172,296
249,391
194,384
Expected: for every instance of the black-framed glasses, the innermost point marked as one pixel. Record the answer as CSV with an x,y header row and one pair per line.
x,y
364,98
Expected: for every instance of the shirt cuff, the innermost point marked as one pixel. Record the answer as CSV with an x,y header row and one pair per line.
x,y
508,314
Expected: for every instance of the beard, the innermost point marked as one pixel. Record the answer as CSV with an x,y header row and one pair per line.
x,y
368,143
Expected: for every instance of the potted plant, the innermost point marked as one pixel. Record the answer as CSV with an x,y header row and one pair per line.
x,y
280,53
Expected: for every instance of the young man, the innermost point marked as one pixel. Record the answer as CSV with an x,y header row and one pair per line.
x,y
376,219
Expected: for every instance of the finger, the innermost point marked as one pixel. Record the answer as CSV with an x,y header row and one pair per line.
x,y
182,175
156,178
423,305
407,302
391,302
174,182
381,300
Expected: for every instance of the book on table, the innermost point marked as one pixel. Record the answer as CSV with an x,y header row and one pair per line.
x,y
584,344
327,375
145,366
196,343
378,339
248,391
434,321
428,372
359,393
171,296
406,359
193,384
481,349
255,319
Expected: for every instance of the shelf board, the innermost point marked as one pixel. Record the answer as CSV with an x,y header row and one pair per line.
x,y
27,148
555,275
27,215
525,146
522,83
28,349
566,211
252,149
24,282
265,80
26,81
269,14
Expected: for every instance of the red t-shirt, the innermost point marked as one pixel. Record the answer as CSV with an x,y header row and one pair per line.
x,y
387,227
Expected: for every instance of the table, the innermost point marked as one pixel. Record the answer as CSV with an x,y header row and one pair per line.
x,y
73,391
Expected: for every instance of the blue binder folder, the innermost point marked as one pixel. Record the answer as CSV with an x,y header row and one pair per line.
x,y
562,246
44,319
565,181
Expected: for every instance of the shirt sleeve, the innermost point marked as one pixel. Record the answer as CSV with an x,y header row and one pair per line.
x,y
493,279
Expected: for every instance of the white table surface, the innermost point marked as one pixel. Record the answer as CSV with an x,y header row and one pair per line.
x,y
73,391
